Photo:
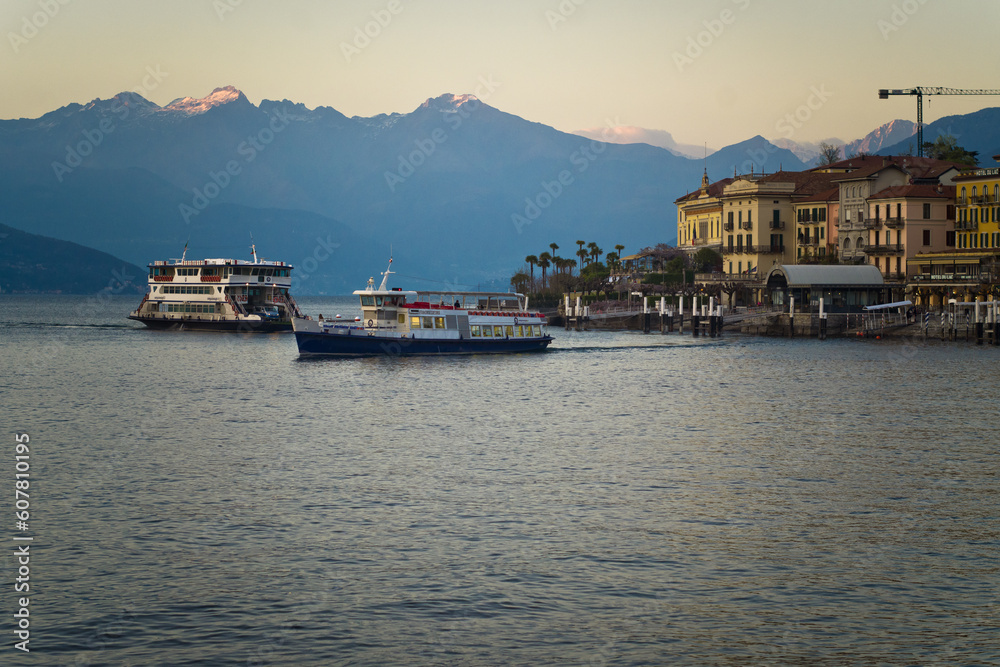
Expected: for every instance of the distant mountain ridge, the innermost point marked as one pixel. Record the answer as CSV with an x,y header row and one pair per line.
x,y
457,190
30,263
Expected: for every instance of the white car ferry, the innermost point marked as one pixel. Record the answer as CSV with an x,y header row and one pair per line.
x,y
218,295
398,322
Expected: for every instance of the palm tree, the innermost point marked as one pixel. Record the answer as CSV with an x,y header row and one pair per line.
x,y
544,261
581,244
582,254
618,249
595,251
519,281
612,260
532,260
554,248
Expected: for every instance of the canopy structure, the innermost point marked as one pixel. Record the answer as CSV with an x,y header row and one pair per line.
x,y
843,288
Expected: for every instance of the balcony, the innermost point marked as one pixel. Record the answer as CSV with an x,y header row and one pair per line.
x,y
894,223
776,224
871,223
766,249
699,241
748,225
887,249
727,277
895,275
727,226
966,225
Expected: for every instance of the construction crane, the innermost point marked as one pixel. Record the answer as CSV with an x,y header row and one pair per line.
x,y
920,91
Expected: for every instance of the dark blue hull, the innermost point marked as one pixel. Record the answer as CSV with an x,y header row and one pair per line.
x,y
337,345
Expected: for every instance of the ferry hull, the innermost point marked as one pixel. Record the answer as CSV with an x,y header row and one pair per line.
x,y
336,345
230,326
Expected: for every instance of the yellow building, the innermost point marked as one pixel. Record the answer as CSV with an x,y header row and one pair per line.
x,y
699,217
977,224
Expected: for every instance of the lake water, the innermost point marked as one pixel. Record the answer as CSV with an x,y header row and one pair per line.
x,y
622,499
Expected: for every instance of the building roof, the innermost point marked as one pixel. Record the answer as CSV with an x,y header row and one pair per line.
x,y
808,275
714,190
920,191
828,195
919,168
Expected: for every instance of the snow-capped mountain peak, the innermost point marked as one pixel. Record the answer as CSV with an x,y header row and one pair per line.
x,y
192,106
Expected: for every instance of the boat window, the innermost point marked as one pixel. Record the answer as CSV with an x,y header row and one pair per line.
x,y
378,301
428,322
367,301
509,330
414,322
537,330
498,330
520,331
401,318
439,323
475,331
487,332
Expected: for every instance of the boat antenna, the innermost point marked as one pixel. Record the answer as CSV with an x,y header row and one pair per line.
x,y
253,248
184,254
385,275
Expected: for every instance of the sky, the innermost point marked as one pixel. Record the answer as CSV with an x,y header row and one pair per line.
x,y
712,72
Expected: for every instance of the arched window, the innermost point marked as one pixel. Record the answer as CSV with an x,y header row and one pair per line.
x,y
847,244
860,243
961,200
975,191
996,193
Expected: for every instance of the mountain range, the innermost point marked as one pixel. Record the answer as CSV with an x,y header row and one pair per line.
x,y
458,191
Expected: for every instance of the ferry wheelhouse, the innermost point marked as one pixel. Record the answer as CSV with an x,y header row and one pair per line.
x,y
400,322
218,295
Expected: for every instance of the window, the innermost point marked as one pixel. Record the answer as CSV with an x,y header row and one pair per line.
x,y
401,318
537,329
497,331
487,331
475,330
927,211
949,239
520,331
439,323
428,322
927,234
509,331
414,322
961,199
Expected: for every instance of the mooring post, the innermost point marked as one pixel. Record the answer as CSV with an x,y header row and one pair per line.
x,y
791,317
822,319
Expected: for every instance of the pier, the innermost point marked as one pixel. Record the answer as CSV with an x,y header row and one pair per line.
x,y
975,322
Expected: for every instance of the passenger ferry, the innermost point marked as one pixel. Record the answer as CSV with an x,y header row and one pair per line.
x,y
218,295
399,322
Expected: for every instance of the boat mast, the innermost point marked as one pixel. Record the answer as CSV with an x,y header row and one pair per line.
x,y
385,276
253,248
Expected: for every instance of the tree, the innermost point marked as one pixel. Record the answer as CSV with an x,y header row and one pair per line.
x,y
595,251
519,281
707,260
554,248
946,147
583,255
532,260
618,249
828,154
544,261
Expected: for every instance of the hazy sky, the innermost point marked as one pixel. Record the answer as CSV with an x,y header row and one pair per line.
x,y
716,71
